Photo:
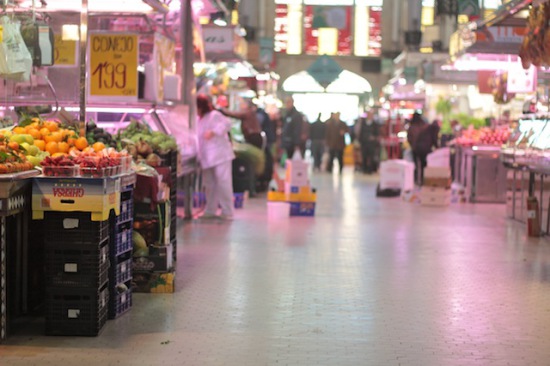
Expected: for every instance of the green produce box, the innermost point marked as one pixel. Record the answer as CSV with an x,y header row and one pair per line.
x,y
154,282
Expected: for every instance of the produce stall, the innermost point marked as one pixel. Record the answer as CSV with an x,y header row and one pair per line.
x,y
478,167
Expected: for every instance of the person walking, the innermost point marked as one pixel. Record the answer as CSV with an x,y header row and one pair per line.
x,y
295,129
250,127
335,137
317,132
215,154
368,135
427,139
416,125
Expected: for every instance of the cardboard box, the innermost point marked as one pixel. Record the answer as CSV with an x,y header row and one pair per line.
x,y
96,195
158,260
437,182
437,172
154,282
434,191
297,173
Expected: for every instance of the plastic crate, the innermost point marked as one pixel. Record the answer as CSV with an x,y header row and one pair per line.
x,y
76,312
69,265
122,239
74,227
121,270
126,210
119,302
302,209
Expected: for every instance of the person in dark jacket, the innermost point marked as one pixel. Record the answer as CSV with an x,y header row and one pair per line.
x,y
335,137
368,134
250,126
427,139
295,129
317,132
416,125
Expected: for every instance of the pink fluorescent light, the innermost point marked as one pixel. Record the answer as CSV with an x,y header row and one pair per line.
x,y
127,6
476,65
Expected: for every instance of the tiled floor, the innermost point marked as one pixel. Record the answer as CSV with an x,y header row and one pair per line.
x,y
367,281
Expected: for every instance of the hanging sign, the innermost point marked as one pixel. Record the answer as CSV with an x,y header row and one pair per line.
x,y
113,65
64,51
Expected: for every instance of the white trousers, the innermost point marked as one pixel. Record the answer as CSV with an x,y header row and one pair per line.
x,y
218,188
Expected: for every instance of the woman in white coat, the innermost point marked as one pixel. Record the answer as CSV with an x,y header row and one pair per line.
x,y
216,155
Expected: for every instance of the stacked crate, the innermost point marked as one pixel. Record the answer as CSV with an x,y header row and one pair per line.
x,y
435,189
76,263
75,216
120,273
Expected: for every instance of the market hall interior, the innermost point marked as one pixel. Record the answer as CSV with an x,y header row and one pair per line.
x,y
366,281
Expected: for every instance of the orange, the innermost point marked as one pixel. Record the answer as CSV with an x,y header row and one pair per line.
x,y
51,125
19,130
57,154
63,147
52,147
71,141
81,143
54,136
13,145
35,133
98,146
41,144
44,131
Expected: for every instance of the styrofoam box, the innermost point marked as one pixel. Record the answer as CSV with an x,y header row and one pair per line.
x,y
439,158
397,174
297,173
437,172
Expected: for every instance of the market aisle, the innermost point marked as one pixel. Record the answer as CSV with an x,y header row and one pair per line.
x,y
366,282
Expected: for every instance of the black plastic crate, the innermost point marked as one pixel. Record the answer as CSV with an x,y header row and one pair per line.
x,y
120,301
74,227
69,265
122,239
121,269
126,211
174,243
76,312
170,159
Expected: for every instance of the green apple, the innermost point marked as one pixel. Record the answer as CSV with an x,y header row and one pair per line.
x,y
35,160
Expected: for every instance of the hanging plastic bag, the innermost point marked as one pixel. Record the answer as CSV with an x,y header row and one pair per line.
x,y
15,58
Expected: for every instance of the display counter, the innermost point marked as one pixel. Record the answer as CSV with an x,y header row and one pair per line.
x,y
480,171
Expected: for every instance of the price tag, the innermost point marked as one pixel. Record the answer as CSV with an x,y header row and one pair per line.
x,y
113,65
64,52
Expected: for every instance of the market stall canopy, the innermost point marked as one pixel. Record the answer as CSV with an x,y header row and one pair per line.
x,y
346,83
500,33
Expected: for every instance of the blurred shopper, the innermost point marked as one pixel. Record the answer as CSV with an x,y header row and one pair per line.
x,y
250,127
335,137
215,155
368,134
427,140
295,129
416,125
317,132
269,130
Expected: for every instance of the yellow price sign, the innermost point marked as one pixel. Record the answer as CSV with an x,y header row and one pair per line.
x,y
64,52
113,64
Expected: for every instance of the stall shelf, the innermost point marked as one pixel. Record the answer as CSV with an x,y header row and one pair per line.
x,y
15,205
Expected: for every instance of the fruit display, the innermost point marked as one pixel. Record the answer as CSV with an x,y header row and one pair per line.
x,y
483,136
96,134
59,166
12,158
499,85
144,144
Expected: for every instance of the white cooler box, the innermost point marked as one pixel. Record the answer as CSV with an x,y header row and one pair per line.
x,y
397,174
